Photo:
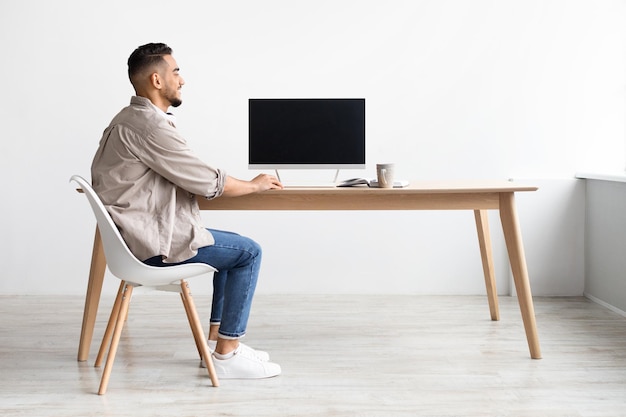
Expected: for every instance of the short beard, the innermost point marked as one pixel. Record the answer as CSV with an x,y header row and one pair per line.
x,y
171,96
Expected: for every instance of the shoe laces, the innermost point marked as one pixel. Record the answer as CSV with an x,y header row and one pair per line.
x,y
246,353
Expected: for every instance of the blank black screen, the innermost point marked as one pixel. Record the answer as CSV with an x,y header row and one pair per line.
x,y
327,132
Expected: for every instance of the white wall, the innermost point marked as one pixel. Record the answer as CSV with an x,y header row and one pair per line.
x,y
454,89
605,230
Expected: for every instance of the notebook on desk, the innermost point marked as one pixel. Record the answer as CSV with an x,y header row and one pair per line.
x,y
396,184
355,182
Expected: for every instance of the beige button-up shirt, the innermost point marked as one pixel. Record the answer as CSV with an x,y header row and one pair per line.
x,y
148,179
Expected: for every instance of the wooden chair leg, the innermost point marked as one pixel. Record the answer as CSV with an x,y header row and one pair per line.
x,y
115,311
196,328
92,298
119,325
189,318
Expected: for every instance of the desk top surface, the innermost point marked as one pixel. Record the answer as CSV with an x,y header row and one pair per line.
x,y
419,187
419,195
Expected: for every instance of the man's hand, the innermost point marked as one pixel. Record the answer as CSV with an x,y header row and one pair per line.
x,y
262,182
267,182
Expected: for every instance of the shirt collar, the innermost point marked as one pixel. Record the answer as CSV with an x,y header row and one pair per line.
x,y
171,119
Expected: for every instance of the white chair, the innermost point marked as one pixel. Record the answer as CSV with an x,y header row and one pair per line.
x,y
133,273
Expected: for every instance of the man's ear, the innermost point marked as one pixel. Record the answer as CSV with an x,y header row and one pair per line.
x,y
155,80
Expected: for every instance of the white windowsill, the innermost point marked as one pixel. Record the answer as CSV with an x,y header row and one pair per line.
x,y
604,176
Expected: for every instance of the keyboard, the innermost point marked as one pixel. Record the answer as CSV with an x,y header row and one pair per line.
x,y
309,184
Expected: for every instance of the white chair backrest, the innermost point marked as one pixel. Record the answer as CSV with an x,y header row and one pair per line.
x,y
121,261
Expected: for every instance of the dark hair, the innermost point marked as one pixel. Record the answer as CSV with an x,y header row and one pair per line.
x,y
146,56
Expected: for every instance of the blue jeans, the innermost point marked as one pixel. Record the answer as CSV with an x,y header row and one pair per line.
x,y
238,261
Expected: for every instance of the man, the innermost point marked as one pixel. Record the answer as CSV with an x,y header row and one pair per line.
x,y
148,179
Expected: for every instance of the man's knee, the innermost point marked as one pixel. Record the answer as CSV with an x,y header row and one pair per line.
x,y
255,248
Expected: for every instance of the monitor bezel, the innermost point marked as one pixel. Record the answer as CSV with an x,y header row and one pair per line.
x,y
337,166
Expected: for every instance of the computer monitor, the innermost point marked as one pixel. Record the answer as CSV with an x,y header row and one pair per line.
x,y
296,133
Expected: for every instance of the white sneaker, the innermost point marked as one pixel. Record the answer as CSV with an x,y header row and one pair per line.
x,y
244,364
261,355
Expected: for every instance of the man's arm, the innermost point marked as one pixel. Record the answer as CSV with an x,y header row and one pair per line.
x,y
234,187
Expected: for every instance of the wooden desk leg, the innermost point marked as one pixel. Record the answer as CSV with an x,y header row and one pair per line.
x,y
517,258
484,241
92,298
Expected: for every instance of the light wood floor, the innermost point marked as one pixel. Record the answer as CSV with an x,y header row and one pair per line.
x,y
341,356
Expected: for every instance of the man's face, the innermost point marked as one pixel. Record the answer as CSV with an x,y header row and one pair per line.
x,y
172,82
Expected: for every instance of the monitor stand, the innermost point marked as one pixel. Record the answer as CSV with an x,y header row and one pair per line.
x,y
308,182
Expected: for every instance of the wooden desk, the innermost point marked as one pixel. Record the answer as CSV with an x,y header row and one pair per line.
x,y
478,196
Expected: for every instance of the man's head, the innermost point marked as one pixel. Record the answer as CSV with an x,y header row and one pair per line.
x,y
154,74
